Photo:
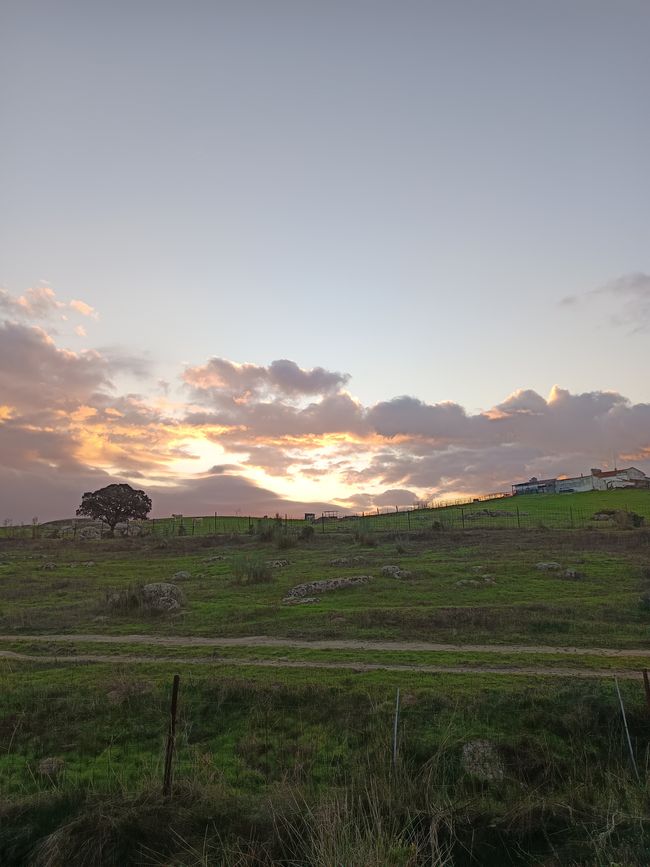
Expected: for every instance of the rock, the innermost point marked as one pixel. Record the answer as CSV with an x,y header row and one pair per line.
x,y
549,566
51,767
89,534
395,572
572,575
181,576
162,596
300,600
277,564
484,581
215,559
302,590
347,561
48,566
481,760
478,568
89,564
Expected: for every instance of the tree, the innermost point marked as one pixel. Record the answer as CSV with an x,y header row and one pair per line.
x,y
113,504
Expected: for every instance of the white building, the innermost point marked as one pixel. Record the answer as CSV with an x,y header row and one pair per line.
x,y
604,480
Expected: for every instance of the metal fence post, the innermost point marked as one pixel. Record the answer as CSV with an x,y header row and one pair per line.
x,y
171,739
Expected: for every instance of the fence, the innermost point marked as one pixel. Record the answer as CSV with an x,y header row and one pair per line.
x,y
252,735
516,513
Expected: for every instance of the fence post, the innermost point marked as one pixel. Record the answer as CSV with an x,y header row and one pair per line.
x,y
646,684
627,731
408,519
462,518
395,728
518,519
171,739
571,516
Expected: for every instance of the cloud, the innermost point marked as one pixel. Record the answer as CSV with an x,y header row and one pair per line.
x,y
250,431
40,303
627,300
282,377
84,309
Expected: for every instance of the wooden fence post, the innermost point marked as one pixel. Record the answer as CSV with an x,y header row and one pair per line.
x,y
171,739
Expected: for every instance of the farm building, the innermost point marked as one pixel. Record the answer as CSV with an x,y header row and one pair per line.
x,y
535,486
597,480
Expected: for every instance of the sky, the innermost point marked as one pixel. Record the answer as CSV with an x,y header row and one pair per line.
x,y
269,256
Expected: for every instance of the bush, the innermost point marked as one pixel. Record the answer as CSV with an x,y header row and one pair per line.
x,y
127,599
307,532
365,539
628,520
252,570
285,541
645,571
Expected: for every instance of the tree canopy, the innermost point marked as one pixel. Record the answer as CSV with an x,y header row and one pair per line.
x,y
114,503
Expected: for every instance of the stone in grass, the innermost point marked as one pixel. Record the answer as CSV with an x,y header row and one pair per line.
x,y
300,600
51,767
549,566
481,760
216,558
347,561
161,596
311,587
572,575
48,566
395,572
181,576
485,581
277,564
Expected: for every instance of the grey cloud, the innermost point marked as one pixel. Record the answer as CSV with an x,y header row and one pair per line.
x,y
282,377
630,294
35,374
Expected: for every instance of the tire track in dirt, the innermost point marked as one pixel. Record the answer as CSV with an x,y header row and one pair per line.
x,y
329,644
357,667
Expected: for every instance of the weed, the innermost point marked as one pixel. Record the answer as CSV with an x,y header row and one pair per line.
x,y
252,570
284,541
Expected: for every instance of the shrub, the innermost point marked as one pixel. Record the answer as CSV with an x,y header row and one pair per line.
x,y
645,571
252,570
127,599
285,541
628,520
365,539
307,532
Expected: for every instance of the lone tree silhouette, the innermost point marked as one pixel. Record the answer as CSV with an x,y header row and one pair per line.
x,y
113,504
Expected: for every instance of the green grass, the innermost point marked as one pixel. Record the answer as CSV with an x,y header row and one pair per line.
x,y
276,764
525,605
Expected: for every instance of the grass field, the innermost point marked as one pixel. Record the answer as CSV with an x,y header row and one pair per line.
x,y
284,750
533,511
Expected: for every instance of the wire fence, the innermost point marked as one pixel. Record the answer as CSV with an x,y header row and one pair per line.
x,y
476,514
253,737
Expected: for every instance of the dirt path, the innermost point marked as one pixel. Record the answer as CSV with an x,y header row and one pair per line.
x,y
360,667
329,644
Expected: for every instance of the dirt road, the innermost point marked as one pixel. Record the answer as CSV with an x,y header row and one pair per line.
x,y
131,659
334,644
329,644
